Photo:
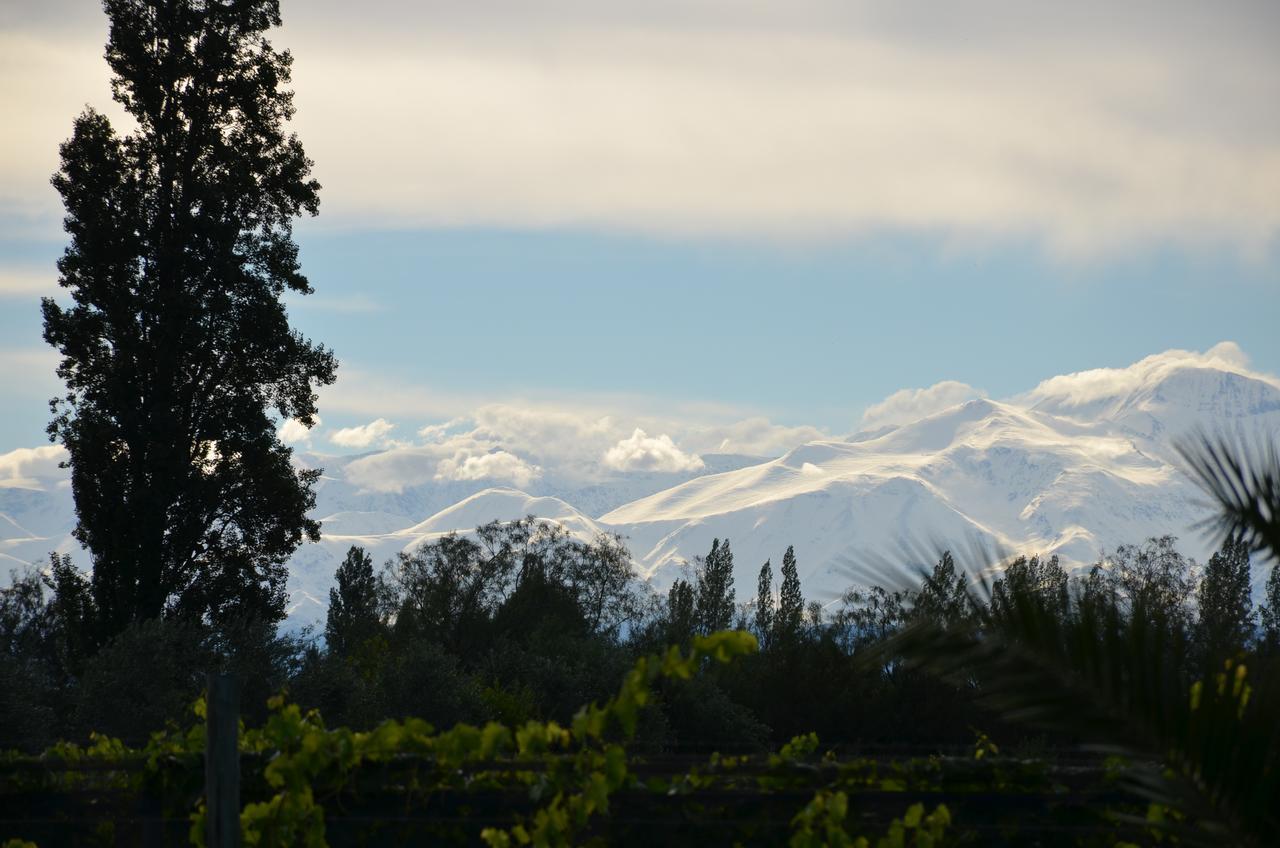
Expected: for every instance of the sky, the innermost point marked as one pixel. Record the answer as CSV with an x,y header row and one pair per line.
x,y
727,225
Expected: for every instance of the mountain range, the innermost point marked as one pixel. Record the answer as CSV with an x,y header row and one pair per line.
x,y
1077,465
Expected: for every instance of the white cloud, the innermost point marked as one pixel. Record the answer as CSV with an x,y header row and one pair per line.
x,y
394,470
30,468
800,119
366,435
755,436
293,431
641,452
1101,384
499,465
906,405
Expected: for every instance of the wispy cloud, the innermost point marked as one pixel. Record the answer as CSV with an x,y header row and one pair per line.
x,y
1082,388
907,405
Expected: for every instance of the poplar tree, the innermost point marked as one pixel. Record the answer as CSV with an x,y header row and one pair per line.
x,y
790,600
713,605
176,349
764,604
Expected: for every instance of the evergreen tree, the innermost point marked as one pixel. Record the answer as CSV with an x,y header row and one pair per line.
x,y
714,601
1223,598
1269,613
764,605
353,604
176,347
790,601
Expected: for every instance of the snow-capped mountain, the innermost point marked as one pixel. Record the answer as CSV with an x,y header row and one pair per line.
x,y
1081,463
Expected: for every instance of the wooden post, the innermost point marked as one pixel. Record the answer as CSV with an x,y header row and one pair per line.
x,y
222,763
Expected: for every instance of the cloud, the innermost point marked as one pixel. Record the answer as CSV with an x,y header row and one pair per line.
x,y
293,431
30,468
813,118
755,436
364,436
1103,384
641,452
24,283
906,405
499,465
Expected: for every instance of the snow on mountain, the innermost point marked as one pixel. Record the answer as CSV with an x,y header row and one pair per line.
x,y
1081,463
36,509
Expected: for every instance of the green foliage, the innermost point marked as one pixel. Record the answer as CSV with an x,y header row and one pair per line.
x,y
1116,674
307,758
822,824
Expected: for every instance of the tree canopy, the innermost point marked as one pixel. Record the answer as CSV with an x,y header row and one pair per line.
x,y
177,353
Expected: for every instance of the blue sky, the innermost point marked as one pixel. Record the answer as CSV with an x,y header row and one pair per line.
x,y
711,212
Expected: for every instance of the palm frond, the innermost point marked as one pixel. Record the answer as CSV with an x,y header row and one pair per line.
x,y
1242,477
1116,680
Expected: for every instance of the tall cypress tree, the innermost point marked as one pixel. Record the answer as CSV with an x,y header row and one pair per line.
x,y
176,348
764,604
790,600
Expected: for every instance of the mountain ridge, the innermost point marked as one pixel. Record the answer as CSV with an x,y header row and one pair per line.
x,y
1081,463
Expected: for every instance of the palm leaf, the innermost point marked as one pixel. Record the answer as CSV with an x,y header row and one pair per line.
x,y
1116,679
1243,481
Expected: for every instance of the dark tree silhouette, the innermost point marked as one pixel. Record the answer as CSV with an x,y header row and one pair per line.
x,y
943,595
353,604
176,347
713,602
790,601
764,604
1225,613
680,615
1269,613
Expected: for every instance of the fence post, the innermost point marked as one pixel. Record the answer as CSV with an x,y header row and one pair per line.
x,y
222,763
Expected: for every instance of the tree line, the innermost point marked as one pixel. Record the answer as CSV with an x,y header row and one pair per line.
x,y
520,621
